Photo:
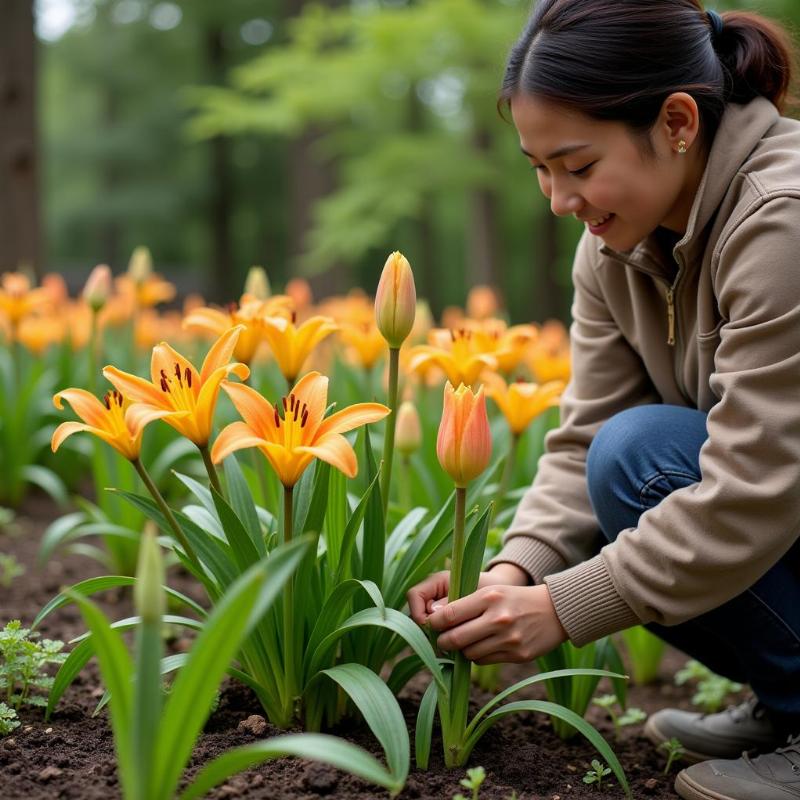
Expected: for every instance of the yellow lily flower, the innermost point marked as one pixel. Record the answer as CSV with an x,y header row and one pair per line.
x,y
146,293
292,433
176,385
250,313
522,402
38,333
292,345
365,343
507,345
459,354
549,357
116,420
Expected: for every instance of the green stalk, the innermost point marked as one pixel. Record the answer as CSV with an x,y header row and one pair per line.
x,y
210,469
459,693
391,423
405,485
290,671
91,378
167,512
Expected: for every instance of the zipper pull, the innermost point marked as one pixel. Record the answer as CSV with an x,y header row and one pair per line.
x,y
671,317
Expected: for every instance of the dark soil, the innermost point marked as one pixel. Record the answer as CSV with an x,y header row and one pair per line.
x,y
72,756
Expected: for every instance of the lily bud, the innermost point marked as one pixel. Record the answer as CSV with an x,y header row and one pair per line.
x,y
148,592
257,283
98,287
140,267
396,300
464,444
408,434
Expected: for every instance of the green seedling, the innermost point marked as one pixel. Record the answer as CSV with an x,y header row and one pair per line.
x,y
8,720
630,716
23,664
675,752
10,568
475,778
596,774
712,689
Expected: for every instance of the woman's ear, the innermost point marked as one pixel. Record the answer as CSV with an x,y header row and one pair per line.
x,y
679,121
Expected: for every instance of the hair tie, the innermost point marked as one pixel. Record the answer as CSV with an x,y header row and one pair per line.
x,y
717,23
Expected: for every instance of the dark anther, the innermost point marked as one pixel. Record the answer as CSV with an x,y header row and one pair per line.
x,y
118,395
164,385
277,419
294,317
107,401
452,335
285,404
304,418
178,372
292,401
188,374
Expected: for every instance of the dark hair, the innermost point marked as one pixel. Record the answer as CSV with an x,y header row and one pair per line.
x,y
620,59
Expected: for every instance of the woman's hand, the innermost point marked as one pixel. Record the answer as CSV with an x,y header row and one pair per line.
x,y
505,620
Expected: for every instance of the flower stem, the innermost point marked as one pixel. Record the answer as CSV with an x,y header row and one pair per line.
x,y
405,485
290,673
459,694
211,469
167,512
391,423
91,378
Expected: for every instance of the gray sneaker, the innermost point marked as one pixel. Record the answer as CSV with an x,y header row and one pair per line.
x,y
726,734
774,776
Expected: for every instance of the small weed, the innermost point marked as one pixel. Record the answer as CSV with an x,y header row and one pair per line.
x,y
8,719
675,752
10,568
475,777
630,716
596,774
23,662
712,689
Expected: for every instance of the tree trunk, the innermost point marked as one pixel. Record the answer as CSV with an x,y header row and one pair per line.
x,y
19,197
550,293
484,241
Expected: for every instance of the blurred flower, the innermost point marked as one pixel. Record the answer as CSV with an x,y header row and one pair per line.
x,y
396,300
292,433
522,402
408,435
55,287
464,444
116,421
482,302
98,287
140,266
300,291
38,333
507,345
460,355
549,356
364,341
176,385
18,299
292,345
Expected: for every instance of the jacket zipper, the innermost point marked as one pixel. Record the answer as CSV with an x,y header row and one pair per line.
x,y
671,316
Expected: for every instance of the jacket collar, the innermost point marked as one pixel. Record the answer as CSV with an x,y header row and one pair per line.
x,y
740,130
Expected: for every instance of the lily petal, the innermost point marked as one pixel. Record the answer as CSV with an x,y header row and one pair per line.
x,y
84,404
164,358
220,353
256,410
336,451
236,436
136,389
352,417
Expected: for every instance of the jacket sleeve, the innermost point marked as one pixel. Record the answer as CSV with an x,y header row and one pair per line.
x,y
554,525
708,542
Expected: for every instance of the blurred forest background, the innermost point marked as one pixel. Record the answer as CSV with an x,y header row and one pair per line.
x,y
309,138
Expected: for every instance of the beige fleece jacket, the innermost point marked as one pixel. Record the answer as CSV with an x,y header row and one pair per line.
x,y
732,349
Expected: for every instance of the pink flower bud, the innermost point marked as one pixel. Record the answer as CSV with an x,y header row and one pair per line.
x,y
395,300
464,444
408,434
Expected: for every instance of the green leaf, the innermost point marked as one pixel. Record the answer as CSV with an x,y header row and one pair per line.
x,y
423,732
245,553
374,540
55,533
89,586
402,672
351,530
317,746
47,480
229,623
381,712
242,503
474,551
403,531
554,710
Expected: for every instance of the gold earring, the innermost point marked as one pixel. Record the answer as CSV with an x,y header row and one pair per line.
x,y
682,146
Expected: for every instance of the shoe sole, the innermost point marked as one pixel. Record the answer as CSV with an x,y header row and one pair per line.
x,y
691,790
657,737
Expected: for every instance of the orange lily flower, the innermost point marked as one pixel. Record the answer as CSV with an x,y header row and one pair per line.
x,y
116,420
292,433
250,313
292,345
38,333
364,342
18,299
464,443
459,354
522,402
176,385
146,293
506,344
549,357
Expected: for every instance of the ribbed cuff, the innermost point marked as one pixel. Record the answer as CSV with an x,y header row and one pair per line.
x,y
587,602
533,555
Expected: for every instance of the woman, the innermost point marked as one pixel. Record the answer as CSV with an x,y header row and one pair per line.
x,y
658,125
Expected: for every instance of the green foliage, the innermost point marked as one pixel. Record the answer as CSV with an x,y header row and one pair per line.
x,y
474,780
611,704
645,651
711,691
10,568
675,752
8,720
23,664
596,774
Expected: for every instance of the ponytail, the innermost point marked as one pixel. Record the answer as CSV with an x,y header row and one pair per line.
x,y
620,59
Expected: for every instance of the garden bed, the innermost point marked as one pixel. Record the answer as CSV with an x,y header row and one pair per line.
x,y
72,756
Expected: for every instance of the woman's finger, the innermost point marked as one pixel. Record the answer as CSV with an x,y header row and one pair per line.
x,y
432,588
458,612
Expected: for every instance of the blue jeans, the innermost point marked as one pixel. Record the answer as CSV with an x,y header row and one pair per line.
x,y
637,458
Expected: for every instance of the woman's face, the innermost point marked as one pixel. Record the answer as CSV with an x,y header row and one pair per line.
x,y
596,171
